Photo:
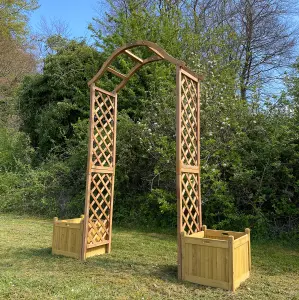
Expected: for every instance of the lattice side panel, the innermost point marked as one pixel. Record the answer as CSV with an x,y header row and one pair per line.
x,y
190,203
99,209
188,151
189,121
100,170
103,131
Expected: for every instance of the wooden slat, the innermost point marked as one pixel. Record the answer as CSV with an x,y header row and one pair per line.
x,y
134,70
220,233
113,176
96,88
101,169
247,231
200,234
63,225
88,172
189,74
190,169
118,74
135,57
97,244
199,261
206,242
184,256
178,170
240,241
231,276
198,155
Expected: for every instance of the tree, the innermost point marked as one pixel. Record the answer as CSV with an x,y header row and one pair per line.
x,y
14,17
15,59
266,41
54,100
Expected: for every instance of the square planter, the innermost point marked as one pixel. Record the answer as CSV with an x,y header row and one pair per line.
x,y
216,258
68,238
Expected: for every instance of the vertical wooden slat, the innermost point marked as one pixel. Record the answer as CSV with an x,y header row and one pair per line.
x,y
231,277
190,262
178,168
219,264
194,260
88,172
113,165
184,255
247,230
214,264
199,261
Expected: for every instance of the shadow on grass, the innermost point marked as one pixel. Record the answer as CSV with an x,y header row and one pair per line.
x,y
34,252
269,258
109,263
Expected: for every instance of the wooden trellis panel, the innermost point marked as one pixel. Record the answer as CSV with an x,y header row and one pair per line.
x,y
100,170
188,156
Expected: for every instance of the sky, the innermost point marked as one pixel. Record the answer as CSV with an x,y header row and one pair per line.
x,y
77,14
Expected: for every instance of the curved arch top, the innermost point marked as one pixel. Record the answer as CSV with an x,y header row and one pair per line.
x,y
159,54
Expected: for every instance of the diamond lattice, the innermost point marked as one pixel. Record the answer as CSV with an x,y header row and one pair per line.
x,y
103,131
99,208
189,123
190,204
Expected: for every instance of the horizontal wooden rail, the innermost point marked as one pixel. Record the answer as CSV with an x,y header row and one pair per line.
x,y
135,57
118,74
99,169
97,244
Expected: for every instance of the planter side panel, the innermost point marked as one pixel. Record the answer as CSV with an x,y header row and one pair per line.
x,y
241,260
67,239
205,261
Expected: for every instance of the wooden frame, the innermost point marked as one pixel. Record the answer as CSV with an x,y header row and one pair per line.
x,y
102,148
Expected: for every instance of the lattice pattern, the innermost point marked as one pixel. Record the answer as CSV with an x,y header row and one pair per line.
x,y
99,208
189,122
190,204
103,132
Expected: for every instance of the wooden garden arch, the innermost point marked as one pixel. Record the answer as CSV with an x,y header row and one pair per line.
x,y
102,147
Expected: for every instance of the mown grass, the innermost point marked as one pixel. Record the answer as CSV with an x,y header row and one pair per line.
x,y
141,266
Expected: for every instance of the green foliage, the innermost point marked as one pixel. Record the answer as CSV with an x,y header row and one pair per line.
x,y
53,101
14,16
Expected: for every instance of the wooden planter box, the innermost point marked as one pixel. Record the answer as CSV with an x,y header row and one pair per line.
x,y
68,238
216,258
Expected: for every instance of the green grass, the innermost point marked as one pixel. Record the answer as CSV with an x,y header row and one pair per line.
x,y
141,266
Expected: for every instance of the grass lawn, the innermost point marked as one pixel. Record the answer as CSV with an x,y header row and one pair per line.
x,y
141,266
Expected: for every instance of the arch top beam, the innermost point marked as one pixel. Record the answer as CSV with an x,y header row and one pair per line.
x,y
160,54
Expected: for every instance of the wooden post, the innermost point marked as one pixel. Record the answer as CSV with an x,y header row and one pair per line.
x,y
198,154
183,263
88,172
178,169
231,277
247,230
113,175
